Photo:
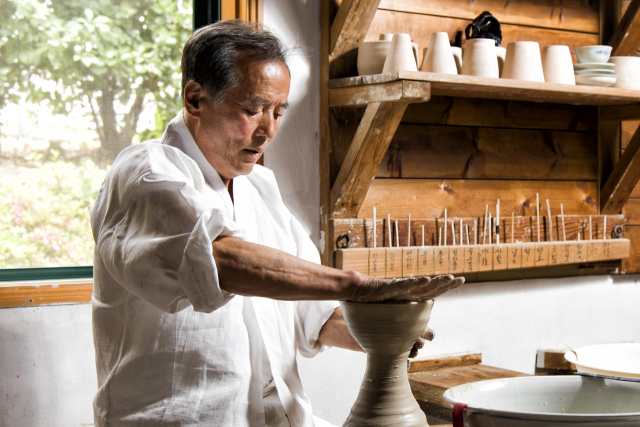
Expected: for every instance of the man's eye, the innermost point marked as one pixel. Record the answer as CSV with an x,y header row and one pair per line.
x,y
251,112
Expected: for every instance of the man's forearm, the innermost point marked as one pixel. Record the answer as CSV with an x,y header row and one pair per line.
x,y
250,269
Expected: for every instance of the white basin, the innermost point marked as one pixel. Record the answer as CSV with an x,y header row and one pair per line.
x,y
617,360
548,401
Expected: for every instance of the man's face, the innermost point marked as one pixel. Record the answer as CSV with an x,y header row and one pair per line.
x,y
234,133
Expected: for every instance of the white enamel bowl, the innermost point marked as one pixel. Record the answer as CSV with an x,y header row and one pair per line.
x,y
596,79
569,400
591,54
617,360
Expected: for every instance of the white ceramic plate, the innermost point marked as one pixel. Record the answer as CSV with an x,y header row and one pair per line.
x,y
594,65
596,79
549,400
618,360
595,71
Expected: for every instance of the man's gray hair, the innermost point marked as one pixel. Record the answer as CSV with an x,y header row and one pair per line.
x,y
209,56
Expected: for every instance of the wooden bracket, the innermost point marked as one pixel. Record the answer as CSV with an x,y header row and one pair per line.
x,y
398,91
620,112
351,24
626,38
623,179
376,129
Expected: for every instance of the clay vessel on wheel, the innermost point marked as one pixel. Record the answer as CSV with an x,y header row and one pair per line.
x,y
387,333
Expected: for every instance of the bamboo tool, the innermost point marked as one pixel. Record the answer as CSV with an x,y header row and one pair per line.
x,y
550,222
445,227
564,235
397,235
475,232
604,229
389,228
461,240
439,236
484,232
423,235
498,222
590,233
466,227
408,230
538,214
453,232
374,227
513,224
578,237
490,229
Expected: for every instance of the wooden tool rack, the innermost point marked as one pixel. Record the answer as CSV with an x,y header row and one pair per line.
x,y
418,143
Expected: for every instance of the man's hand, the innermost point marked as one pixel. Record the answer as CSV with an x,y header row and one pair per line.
x,y
409,289
428,335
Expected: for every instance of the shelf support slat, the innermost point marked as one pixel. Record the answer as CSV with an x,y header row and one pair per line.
x,y
626,38
375,132
620,112
398,91
351,24
623,179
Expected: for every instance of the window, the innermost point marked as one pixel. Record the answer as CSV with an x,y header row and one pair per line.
x,y
80,80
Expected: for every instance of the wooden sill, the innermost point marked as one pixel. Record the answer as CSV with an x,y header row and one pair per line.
x,y
46,294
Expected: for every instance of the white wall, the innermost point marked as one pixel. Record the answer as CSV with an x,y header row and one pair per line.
x,y
508,321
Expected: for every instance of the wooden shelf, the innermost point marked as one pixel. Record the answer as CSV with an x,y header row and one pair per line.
x,y
482,87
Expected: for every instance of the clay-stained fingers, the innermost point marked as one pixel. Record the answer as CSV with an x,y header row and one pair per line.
x,y
428,334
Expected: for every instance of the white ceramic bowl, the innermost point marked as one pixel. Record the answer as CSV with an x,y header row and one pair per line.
x,y
548,400
596,79
371,56
591,66
597,53
596,71
618,360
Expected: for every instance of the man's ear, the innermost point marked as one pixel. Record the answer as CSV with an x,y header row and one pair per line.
x,y
194,95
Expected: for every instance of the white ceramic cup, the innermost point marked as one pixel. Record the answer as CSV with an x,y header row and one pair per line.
x,y
557,65
400,56
523,62
371,56
479,58
457,57
386,37
628,71
438,58
501,52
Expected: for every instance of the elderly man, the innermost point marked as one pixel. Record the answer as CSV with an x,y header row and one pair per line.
x,y
205,284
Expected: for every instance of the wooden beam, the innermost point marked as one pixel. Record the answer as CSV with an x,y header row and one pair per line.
x,y
351,24
623,179
376,129
465,359
398,91
620,112
29,296
626,38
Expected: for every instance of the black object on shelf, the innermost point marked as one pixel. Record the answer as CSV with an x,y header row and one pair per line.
x,y
485,26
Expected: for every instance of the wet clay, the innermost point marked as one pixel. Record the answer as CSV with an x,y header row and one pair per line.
x,y
386,332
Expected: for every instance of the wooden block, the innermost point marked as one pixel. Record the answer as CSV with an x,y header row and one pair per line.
x,y
514,254
568,252
441,260
353,259
594,249
425,261
528,255
580,254
378,263
541,255
606,250
620,248
485,258
470,259
547,359
394,263
409,262
446,362
555,253
500,257
456,259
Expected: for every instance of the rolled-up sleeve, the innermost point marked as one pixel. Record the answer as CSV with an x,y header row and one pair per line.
x,y
153,230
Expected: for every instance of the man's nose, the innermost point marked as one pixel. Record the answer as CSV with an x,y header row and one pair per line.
x,y
268,126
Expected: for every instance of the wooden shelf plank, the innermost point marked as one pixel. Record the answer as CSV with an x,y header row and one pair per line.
x,y
490,88
626,38
351,24
623,179
398,91
376,129
29,296
465,359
